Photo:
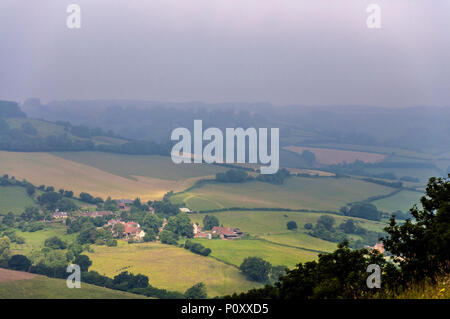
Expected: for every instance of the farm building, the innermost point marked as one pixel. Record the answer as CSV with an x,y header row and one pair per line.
x,y
198,233
132,230
185,210
227,232
203,234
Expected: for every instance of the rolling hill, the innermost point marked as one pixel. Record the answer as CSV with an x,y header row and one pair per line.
x,y
22,285
105,174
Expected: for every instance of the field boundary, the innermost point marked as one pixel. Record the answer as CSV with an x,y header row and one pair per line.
x,y
268,209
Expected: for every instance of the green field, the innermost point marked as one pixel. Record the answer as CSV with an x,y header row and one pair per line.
x,y
295,193
376,149
271,226
43,128
403,201
35,240
41,287
14,199
235,251
169,267
423,174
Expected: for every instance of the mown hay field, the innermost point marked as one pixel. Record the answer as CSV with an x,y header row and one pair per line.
x,y
149,177
329,156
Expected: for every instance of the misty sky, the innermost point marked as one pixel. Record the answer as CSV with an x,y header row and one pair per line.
x,y
315,52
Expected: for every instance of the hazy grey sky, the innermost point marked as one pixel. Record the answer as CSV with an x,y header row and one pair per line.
x,y
315,52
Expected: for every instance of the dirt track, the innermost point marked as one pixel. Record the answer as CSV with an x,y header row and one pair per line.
x,y
11,275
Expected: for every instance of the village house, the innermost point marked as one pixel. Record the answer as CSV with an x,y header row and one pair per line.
x,y
196,228
132,230
198,233
379,247
203,234
59,215
227,232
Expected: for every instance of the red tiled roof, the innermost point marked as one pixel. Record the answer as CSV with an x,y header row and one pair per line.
x,y
131,230
224,230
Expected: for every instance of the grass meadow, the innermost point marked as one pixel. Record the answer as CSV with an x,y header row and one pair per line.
x,y
271,226
403,201
235,251
35,240
296,193
41,287
169,267
14,199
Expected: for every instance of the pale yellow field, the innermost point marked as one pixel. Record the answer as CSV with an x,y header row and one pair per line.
x,y
330,156
310,172
169,267
50,170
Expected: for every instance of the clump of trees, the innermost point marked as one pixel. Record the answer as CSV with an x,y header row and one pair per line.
x,y
19,262
197,248
341,274
5,250
277,178
197,291
232,176
180,225
362,210
210,221
256,269
291,225
422,247
127,281
55,243
168,237
165,208
325,229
